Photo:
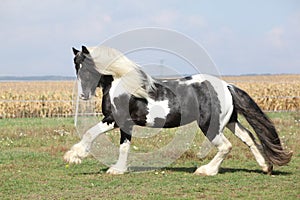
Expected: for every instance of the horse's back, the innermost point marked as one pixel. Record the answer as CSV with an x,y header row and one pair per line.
x,y
193,98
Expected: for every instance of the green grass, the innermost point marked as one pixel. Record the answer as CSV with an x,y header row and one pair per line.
x,y
31,167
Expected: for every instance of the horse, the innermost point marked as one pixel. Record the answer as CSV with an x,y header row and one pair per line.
x,y
132,97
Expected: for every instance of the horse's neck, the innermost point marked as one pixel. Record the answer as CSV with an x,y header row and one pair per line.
x,y
105,82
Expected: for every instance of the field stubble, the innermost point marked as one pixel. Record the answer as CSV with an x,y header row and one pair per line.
x,y
55,99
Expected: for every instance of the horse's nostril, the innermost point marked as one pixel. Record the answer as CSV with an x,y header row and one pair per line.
x,y
82,97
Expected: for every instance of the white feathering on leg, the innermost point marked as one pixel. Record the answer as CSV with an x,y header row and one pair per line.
x,y
121,166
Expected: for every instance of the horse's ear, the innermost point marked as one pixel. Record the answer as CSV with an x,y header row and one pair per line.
x,y
85,50
75,51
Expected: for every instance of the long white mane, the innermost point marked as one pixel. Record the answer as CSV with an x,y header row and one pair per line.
x,y
110,61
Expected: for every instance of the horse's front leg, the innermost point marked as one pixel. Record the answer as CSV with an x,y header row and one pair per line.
x,y
82,149
121,166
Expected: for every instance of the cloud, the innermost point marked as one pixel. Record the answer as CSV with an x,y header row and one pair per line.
x,y
275,37
286,34
50,28
165,18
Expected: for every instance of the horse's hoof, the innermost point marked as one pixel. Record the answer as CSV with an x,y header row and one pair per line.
x,y
268,170
202,171
72,157
115,171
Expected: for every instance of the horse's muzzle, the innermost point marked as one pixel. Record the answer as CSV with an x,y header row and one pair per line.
x,y
85,97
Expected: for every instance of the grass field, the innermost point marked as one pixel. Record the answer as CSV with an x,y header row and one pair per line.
x,y
31,167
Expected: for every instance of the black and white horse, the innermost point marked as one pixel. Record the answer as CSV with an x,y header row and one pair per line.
x,y
131,97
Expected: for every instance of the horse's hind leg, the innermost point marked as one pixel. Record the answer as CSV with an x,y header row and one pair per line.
x,y
224,147
247,137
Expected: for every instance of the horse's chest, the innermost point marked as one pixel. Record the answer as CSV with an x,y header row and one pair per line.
x,y
143,111
116,91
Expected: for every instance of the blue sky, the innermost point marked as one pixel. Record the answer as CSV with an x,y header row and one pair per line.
x,y
241,37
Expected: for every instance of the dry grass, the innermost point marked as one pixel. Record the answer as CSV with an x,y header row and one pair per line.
x,y
52,99
272,93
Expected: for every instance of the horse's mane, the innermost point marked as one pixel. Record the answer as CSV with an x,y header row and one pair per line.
x,y
110,61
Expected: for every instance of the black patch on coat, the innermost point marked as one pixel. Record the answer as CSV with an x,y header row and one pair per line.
x,y
121,110
186,78
138,110
187,103
209,109
105,84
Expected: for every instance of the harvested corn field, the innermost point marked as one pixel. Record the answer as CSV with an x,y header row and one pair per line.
x,y
55,99
38,99
273,92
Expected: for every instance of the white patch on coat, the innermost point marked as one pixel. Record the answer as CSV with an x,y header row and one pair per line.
x,y
116,90
225,99
194,79
156,109
79,87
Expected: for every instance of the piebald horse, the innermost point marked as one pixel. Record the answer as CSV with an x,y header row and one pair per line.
x,y
132,97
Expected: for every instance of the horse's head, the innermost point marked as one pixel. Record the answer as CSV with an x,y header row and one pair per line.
x,y
88,77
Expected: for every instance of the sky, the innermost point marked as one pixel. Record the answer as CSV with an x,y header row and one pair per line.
x,y
241,37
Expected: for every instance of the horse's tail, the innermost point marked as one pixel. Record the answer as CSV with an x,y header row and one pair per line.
x,y
262,125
